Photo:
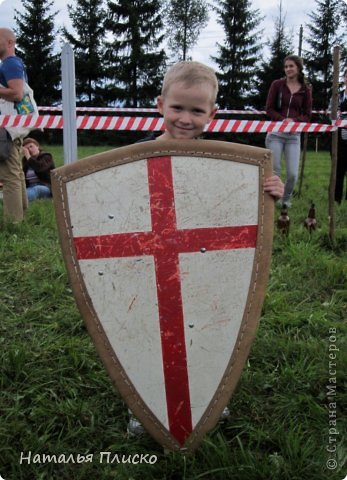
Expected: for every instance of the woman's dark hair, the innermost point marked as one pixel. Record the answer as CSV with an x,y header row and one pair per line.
x,y
300,64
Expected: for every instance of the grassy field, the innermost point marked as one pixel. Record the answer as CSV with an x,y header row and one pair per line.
x,y
288,415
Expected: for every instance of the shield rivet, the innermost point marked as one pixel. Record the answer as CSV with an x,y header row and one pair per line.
x,y
203,250
111,216
100,273
191,325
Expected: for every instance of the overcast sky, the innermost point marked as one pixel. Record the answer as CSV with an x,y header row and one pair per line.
x,y
295,11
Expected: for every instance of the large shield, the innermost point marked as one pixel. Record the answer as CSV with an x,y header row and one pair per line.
x,y
167,245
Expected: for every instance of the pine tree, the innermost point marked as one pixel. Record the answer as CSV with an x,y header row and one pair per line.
x,y
184,20
239,55
280,46
135,62
35,41
88,17
343,52
323,35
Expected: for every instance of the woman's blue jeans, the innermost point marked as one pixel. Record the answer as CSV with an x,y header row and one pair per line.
x,y
38,191
289,145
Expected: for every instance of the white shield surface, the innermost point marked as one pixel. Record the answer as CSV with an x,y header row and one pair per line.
x,y
168,253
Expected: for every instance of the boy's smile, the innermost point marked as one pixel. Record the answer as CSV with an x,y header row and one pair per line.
x,y
186,110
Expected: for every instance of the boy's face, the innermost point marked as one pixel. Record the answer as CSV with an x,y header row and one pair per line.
x,y
186,110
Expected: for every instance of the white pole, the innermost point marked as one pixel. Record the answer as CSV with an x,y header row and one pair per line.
x,y
69,104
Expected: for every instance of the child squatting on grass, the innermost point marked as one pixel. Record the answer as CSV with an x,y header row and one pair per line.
x,y
188,103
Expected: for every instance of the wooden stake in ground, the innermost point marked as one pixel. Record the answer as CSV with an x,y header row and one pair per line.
x,y
331,213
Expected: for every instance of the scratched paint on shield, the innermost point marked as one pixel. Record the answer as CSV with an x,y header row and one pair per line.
x,y
104,204
201,205
123,290
212,324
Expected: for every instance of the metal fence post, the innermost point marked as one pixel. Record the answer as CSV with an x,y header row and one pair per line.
x,y
69,104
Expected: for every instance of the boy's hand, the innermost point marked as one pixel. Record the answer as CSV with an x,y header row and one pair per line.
x,y
274,186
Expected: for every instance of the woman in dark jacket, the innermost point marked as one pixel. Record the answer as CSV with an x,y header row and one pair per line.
x,y
289,100
37,166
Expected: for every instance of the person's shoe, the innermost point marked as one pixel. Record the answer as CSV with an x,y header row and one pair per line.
x,y
225,414
134,426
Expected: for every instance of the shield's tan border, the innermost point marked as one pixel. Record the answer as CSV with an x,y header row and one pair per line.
x,y
206,148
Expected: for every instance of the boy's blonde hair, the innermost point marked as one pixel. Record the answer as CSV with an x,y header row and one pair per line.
x,y
191,73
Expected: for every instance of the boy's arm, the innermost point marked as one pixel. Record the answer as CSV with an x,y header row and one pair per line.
x,y
274,186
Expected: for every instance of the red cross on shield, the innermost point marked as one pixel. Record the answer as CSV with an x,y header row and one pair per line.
x,y
167,245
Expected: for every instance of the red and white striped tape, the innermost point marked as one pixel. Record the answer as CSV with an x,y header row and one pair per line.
x,y
155,110
102,109
145,124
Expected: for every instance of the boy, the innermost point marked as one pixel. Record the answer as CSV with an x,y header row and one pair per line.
x,y
188,103
187,100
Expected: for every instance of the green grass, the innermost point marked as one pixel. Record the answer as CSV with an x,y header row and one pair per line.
x,y
57,399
